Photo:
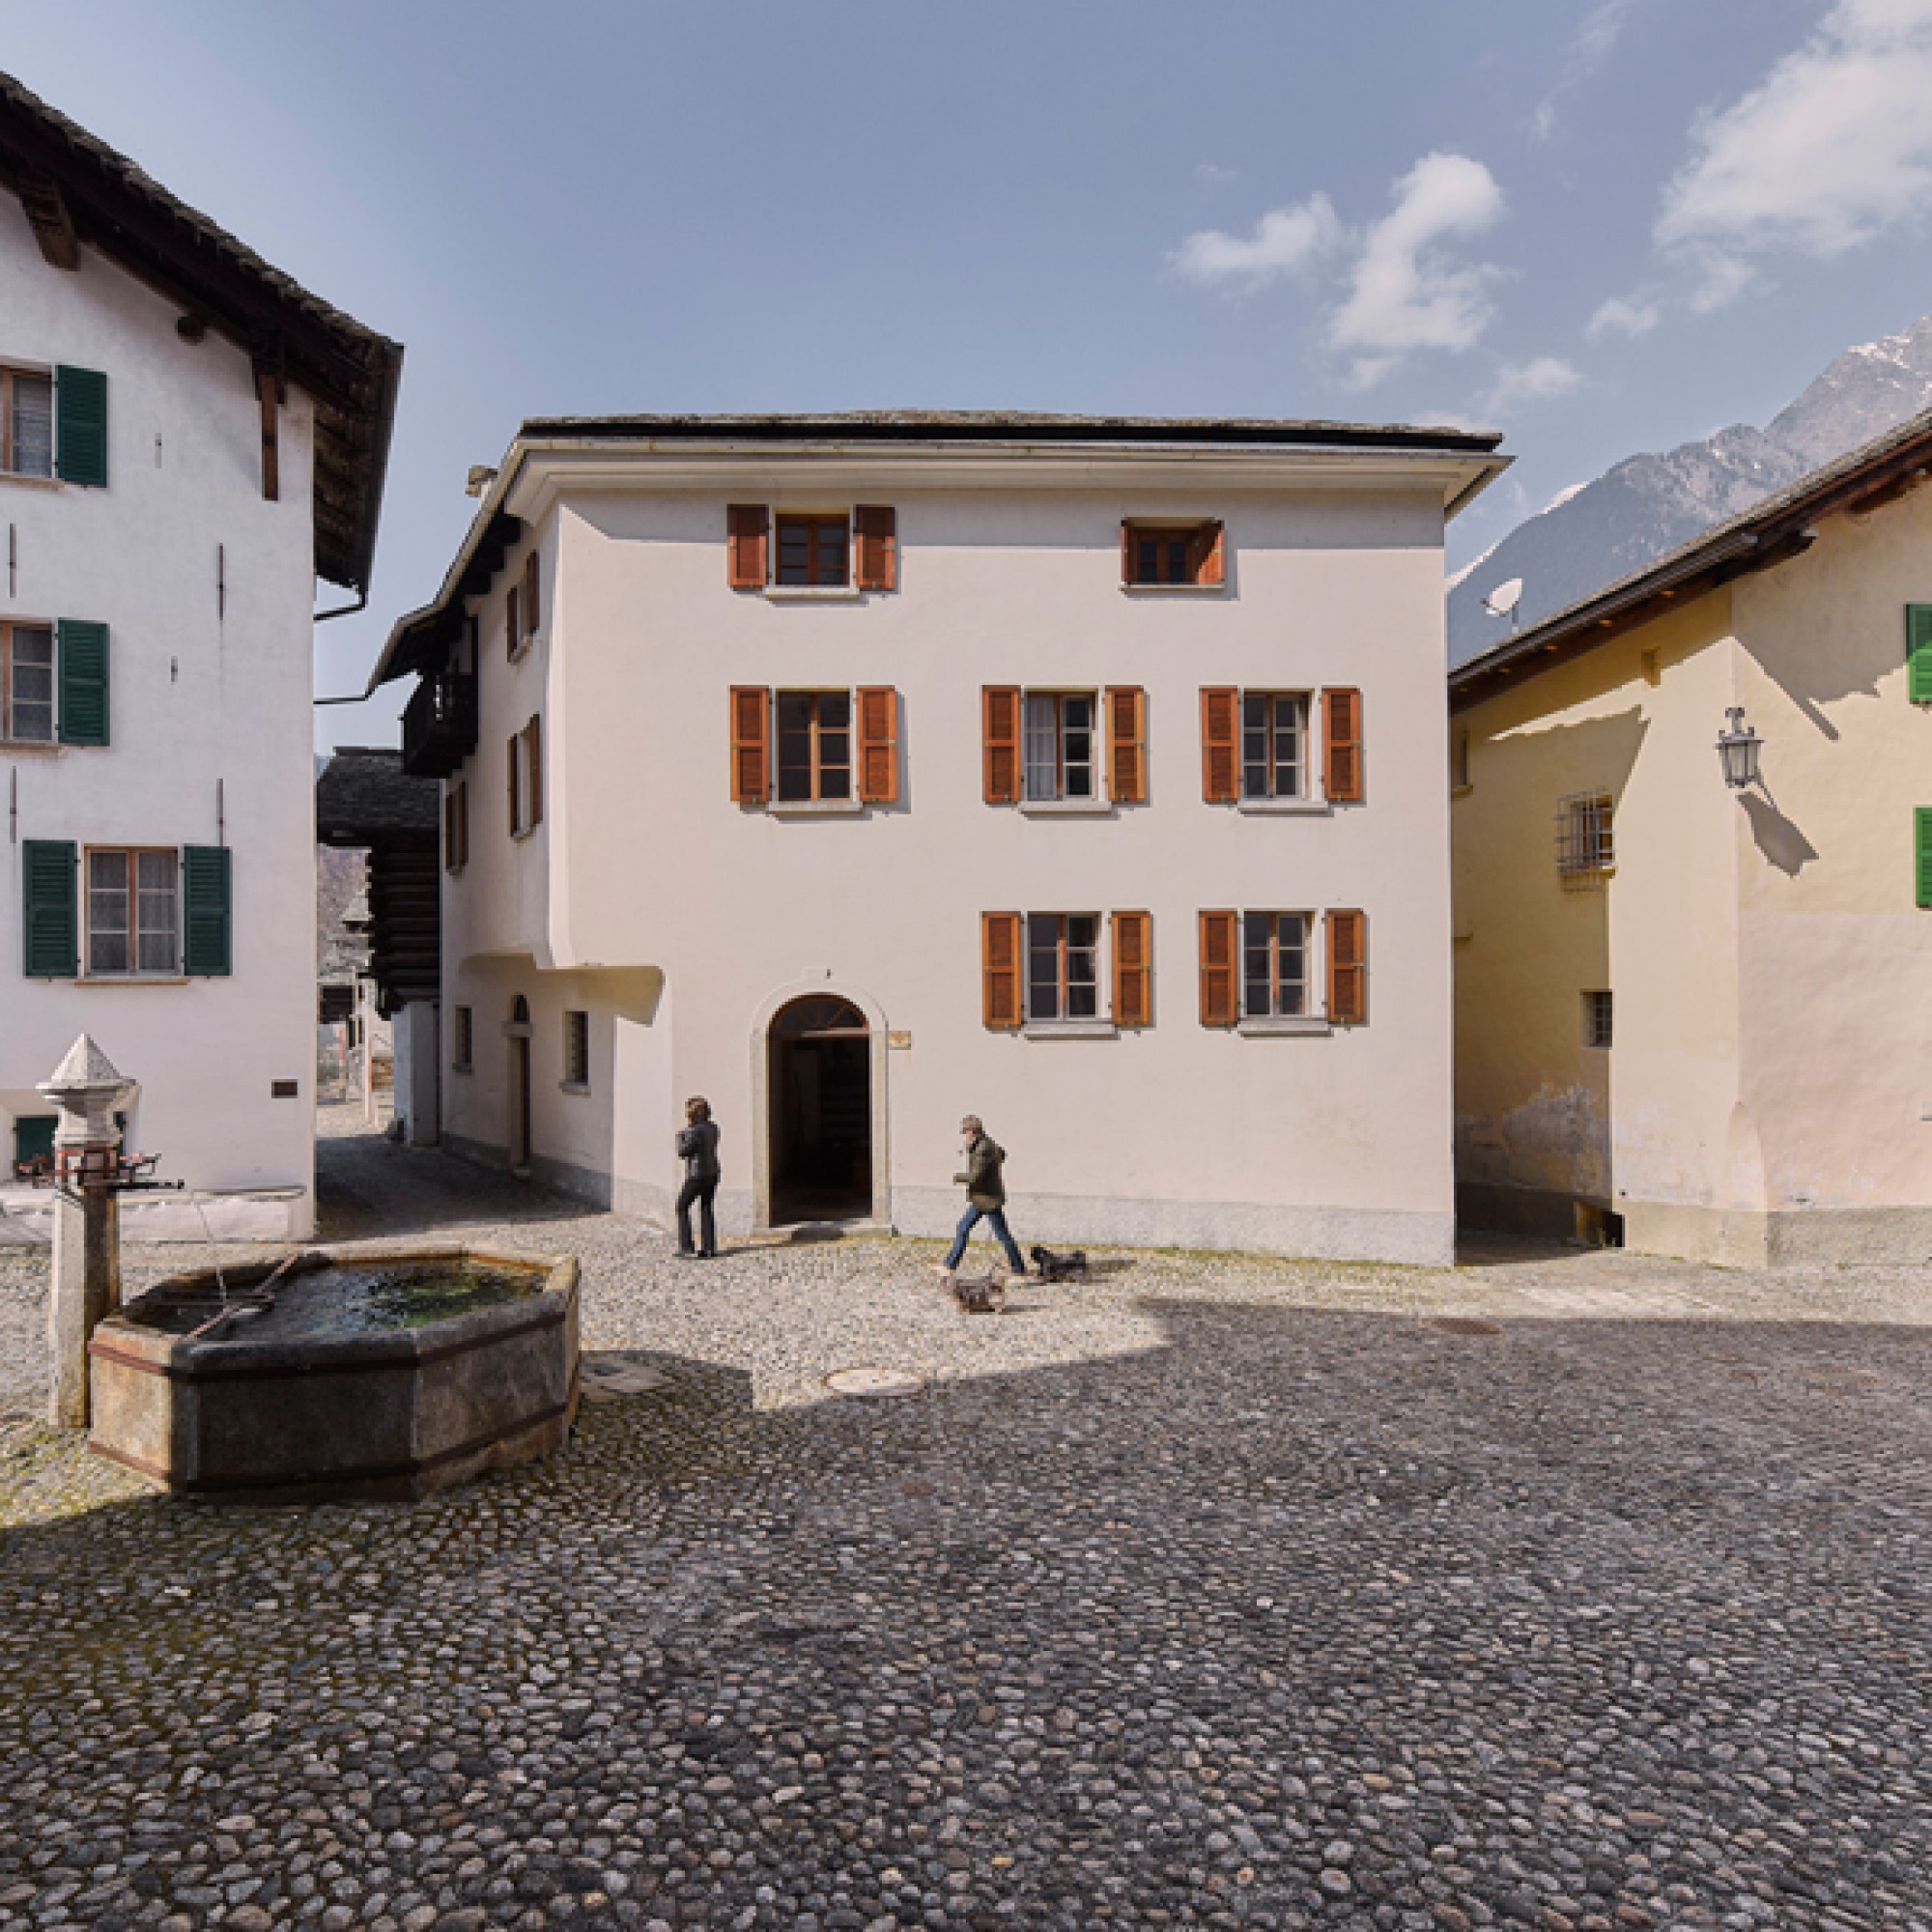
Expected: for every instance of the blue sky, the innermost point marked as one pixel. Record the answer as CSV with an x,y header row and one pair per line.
x,y
1604,226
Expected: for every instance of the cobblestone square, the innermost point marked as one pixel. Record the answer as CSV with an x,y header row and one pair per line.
x,y
1562,1591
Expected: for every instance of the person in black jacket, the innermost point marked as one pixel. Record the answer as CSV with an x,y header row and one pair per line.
x,y
697,1148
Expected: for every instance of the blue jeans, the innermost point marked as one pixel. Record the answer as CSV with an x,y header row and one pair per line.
x,y
996,1219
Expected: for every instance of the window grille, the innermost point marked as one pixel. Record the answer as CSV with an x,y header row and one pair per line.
x,y
1597,1016
576,1049
1585,851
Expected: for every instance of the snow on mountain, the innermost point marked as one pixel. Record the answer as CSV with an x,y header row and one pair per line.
x,y
1597,532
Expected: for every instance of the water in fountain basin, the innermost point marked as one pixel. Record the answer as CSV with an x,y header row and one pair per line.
x,y
349,1298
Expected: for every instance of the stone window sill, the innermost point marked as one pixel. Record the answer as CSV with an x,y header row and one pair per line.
x,y
1066,808
1284,807
1284,1028
463,1066
25,482
1175,589
1069,1030
131,979
46,748
815,807
813,593
572,1086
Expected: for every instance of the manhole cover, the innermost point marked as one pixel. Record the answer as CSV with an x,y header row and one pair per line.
x,y
873,1383
1462,1324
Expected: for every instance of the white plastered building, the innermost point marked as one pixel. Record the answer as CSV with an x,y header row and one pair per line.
x,y
188,440
859,773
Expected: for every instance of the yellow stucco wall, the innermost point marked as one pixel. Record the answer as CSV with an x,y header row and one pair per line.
x,y
1772,1062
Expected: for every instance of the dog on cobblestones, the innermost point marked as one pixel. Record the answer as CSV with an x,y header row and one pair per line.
x,y
1051,1267
979,1295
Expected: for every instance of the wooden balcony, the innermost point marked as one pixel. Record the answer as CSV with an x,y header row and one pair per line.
x,y
440,725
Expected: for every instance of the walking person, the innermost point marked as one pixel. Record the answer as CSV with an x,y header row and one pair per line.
x,y
986,1196
697,1148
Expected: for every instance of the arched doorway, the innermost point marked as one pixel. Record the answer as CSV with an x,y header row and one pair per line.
x,y
820,1086
519,1034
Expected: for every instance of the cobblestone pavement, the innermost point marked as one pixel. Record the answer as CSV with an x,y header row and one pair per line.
x,y
1216,1592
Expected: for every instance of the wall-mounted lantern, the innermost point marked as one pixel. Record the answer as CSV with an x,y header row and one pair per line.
x,y
1738,750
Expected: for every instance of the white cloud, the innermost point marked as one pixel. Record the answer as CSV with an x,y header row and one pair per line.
x,y
1621,317
1407,293
1285,241
1209,175
1535,382
1595,41
1830,149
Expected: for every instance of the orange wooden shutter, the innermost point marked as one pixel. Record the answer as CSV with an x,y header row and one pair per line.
x,y
1133,969
1000,710
533,731
513,634
533,623
1211,564
746,524
1220,722
878,744
878,544
750,750
1348,968
1126,743
1000,964
1342,745
1219,1006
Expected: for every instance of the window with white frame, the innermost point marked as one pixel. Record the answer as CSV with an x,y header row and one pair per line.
x,y
27,683
1059,756
1274,744
26,423
134,912
576,1049
1063,966
1274,964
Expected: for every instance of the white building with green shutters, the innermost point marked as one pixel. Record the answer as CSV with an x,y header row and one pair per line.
x,y
188,440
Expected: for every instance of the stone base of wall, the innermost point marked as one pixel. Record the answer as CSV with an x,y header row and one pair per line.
x,y
1416,1239
1718,1236
279,1214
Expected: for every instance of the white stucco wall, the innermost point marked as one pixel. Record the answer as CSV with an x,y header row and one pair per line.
x,y
207,703
645,872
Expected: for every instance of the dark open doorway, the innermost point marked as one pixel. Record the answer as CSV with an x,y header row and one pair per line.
x,y
821,1105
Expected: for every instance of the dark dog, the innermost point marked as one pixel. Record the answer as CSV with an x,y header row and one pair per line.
x,y
983,1296
1051,1267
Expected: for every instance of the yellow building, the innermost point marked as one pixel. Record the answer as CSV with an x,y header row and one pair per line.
x,y
1690,1015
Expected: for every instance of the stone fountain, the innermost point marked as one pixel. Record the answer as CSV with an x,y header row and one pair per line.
x,y
381,1372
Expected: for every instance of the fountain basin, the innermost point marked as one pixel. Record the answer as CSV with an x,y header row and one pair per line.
x,y
385,1373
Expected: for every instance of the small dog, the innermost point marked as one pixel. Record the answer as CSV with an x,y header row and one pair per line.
x,y
1051,1267
983,1296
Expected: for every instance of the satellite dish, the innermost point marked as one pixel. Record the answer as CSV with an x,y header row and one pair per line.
x,y
1504,598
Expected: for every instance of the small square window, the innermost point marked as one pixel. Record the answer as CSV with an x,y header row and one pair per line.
x,y
1171,554
463,1039
814,551
1597,1019
577,1049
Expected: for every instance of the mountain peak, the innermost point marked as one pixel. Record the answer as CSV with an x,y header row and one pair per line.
x,y
1649,503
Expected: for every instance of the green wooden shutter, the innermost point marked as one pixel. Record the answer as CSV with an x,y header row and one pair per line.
x,y
34,1136
83,682
80,416
52,925
1918,652
206,912
1922,823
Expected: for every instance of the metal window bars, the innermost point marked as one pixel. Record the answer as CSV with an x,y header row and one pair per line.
x,y
1585,848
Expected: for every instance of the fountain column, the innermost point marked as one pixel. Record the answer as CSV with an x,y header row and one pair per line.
x,y
85,1089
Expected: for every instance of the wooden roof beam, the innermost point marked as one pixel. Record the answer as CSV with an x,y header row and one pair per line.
x,y
46,212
